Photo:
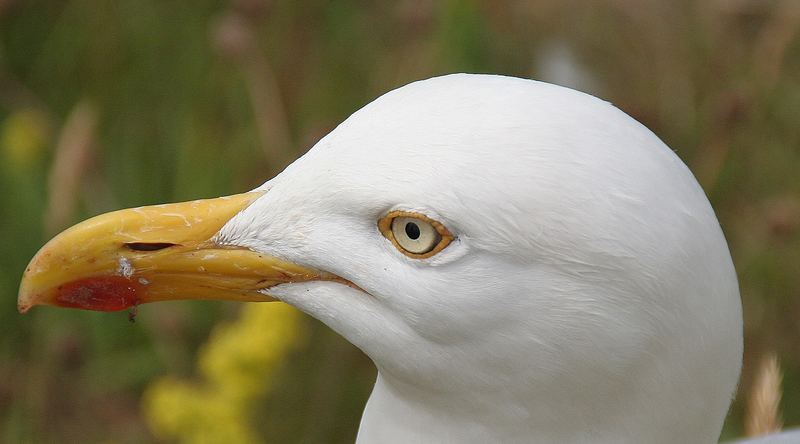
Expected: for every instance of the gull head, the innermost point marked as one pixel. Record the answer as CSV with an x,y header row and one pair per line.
x,y
517,258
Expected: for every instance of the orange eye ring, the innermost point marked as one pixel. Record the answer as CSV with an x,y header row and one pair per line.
x,y
420,238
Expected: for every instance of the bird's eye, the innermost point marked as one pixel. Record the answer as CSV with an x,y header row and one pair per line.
x,y
415,235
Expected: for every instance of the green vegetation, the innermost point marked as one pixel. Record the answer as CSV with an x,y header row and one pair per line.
x,y
106,105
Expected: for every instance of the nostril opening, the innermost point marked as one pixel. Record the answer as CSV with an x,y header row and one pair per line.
x,y
148,246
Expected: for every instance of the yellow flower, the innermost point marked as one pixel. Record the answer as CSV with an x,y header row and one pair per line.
x,y
236,366
23,136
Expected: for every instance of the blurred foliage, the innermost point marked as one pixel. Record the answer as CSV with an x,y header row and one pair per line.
x,y
23,138
238,364
113,104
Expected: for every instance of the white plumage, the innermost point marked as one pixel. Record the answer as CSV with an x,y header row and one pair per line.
x,y
588,296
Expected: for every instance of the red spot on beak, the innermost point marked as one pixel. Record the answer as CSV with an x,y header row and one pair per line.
x,y
108,293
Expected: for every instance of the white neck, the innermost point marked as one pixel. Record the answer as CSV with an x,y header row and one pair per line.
x,y
395,413
391,417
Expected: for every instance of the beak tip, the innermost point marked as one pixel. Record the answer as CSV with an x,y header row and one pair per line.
x,y
28,295
24,302
23,297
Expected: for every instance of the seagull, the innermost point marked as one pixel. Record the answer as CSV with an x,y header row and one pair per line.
x,y
523,262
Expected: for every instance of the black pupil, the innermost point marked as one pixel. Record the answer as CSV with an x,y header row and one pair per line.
x,y
412,231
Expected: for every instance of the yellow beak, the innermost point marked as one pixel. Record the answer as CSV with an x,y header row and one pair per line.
x,y
162,252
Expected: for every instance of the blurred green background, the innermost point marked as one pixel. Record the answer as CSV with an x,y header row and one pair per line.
x,y
106,105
